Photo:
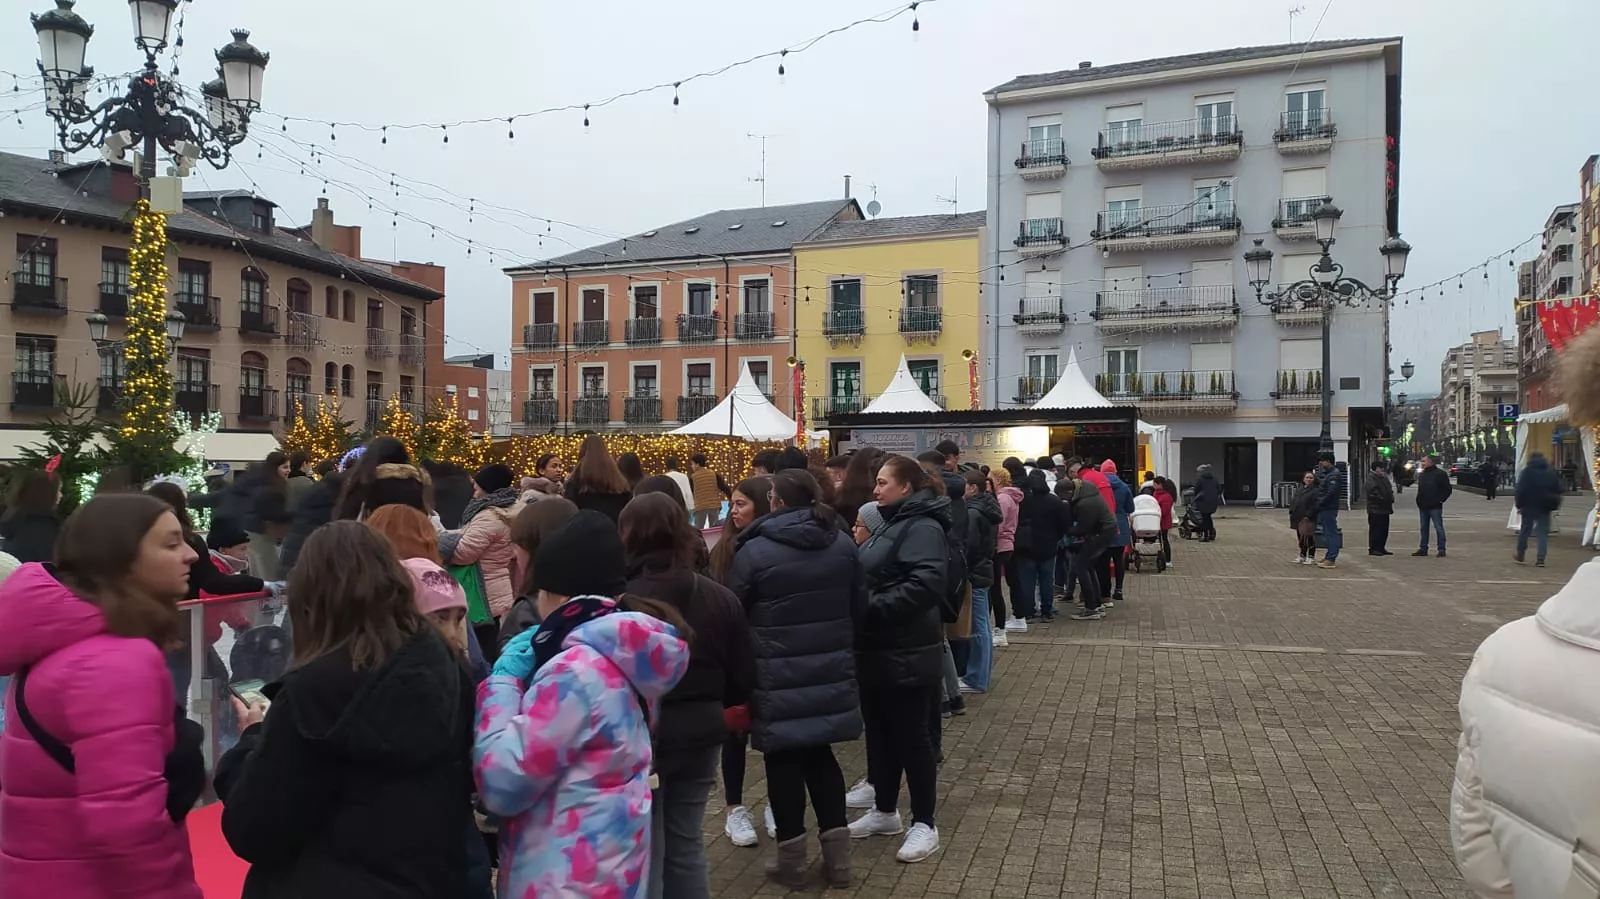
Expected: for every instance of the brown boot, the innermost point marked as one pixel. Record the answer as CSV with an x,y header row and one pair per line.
x,y
788,864
836,857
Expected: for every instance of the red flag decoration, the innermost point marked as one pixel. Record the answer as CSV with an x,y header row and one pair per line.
x,y
54,463
1565,319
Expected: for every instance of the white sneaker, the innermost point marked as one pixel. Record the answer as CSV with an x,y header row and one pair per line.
x,y
998,638
1309,560
875,823
1299,560
967,690
921,842
862,795
772,825
738,827
1020,625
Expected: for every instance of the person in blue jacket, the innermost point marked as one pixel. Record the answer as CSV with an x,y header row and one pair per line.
x,y
1330,492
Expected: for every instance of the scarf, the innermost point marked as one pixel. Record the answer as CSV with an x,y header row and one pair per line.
x,y
553,631
503,498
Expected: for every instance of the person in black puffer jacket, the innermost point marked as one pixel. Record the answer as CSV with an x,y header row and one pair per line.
x,y
1042,520
660,545
899,651
804,592
29,528
316,510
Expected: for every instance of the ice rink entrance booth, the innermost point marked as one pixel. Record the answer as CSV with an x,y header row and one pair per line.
x,y
1543,432
988,436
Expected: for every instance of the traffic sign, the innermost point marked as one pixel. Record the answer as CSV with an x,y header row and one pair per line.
x,y
1509,413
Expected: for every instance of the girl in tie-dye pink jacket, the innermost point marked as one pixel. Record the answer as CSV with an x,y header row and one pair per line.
x,y
567,761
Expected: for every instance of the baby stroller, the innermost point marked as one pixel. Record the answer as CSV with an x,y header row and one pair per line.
x,y
1145,523
1191,526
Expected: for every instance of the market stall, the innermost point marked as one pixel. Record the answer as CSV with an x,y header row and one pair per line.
x,y
1073,390
1535,433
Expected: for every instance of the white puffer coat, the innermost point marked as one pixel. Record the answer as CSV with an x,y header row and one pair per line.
x,y
1525,809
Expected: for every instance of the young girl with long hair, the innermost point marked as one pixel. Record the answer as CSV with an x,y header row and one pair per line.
x,y
596,483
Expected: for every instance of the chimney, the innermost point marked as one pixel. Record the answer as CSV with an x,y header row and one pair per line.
x,y
322,224
847,187
58,157
1086,65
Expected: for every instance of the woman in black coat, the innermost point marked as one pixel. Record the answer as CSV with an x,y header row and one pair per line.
x,y
316,510
804,592
900,651
661,550
1042,520
29,528
357,781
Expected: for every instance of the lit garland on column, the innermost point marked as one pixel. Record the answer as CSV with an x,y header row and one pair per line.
x,y
148,428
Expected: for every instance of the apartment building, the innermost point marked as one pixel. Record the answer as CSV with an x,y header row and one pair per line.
x,y
1589,226
648,332
873,291
1475,379
273,316
1121,200
482,392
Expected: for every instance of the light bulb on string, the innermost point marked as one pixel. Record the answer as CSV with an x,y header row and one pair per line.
x,y
916,23
675,94
446,130
781,55
586,116
385,140
511,131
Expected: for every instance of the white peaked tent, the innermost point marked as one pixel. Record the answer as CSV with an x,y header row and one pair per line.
x,y
745,412
1074,391
902,395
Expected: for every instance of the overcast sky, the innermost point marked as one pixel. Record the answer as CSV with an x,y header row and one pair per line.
x,y
1495,127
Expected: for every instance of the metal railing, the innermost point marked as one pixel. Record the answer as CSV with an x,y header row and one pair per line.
x,y
1167,221
1032,389
844,322
380,344
1294,212
1035,311
34,388
1166,137
296,403
305,331
1167,385
641,330
1304,124
1299,383
374,416
753,326
592,409
40,293
921,320
694,405
108,394
591,333
1040,232
261,320
694,328
1164,301
412,350
113,298
1043,152
541,411
258,403
199,310
641,409
823,407
541,336
196,398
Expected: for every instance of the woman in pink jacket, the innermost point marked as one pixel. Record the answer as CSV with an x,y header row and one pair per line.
x,y
1005,543
485,536
94,788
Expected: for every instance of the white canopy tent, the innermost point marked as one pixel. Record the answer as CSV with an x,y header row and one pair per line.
x,y
1534,430
1074,391
903,394
745,412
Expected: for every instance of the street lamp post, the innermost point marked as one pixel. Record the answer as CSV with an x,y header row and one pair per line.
x,y
1327,287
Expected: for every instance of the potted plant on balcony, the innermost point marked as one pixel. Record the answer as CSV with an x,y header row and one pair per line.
x,y
1100,382
1137,385
1161,384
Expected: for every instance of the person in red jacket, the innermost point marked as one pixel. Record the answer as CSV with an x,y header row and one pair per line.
x,y
1166,493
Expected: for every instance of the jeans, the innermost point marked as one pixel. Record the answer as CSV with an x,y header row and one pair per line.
x,y
1537,522
1328,519
1436,517
678,867
1113,566
733,768
705,518
979,665
1086,564
898,742
1166,544
952,680
1377,532
1038,585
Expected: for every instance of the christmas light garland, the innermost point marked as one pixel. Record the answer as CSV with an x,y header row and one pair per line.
x,y
149,429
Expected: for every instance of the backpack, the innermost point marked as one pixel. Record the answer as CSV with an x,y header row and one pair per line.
x,y
955,562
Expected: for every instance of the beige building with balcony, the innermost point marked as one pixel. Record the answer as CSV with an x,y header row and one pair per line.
x,y
273,315
1476,378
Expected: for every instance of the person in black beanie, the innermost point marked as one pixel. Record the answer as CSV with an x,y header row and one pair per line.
x,y
792,457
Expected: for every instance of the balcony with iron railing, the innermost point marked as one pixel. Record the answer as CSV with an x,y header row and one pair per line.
x,y
591,333
380,344
542,410
1202,223
1038,237
921,320
114,298
409,404
200,312
258,404
1191,391
1136,146
1293,221
592,409
413,353
844,324
36,293
305,331
297,403
825,407
641,331
375,410
258,321
1299,389
754,326
1031,389
698,328
541,336
197,399
1304,131
1042,159
108,395
36,389
642,409
1176,307
1041,315
694,405
1303,308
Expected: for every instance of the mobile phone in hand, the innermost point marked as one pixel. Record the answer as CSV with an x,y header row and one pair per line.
x,y
249,692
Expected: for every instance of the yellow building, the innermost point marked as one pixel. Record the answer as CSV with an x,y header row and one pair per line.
x,y
871,291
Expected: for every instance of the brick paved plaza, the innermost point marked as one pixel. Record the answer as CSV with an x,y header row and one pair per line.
x,y
1241,726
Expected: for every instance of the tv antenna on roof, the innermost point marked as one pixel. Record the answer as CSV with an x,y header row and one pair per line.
x,y
762,178
953,201
873,206
1294,11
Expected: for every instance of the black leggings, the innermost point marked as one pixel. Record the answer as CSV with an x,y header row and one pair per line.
x,y
1166,544
794,773
1006,574
898,742
733,768
1113,565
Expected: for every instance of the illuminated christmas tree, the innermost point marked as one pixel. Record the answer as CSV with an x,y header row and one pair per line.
x,y
447,436
319,432
144,443
399,423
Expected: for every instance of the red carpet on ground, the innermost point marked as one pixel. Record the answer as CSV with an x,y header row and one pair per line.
x,y
219,871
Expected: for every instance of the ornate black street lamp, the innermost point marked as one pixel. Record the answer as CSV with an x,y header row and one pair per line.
x,y
1327,287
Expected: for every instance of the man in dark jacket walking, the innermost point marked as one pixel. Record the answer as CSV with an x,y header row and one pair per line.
x,y
1433,489
1489,473
1330,493
1380,505
1207,497
1538,495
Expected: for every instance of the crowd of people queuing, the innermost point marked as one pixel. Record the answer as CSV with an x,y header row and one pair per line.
x,y
541,676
